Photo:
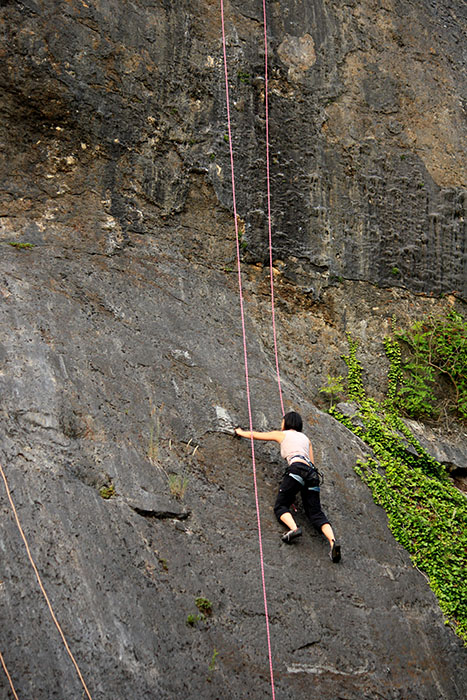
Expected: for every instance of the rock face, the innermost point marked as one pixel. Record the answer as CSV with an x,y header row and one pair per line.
x,y
121,350
113,114
86,361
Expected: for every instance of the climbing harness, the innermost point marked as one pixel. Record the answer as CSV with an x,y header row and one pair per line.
x,y
303,458
311,475
242,315
308,478
41,586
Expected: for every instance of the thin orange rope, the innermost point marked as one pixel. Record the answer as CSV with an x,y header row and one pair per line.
x,y
41,586
8,676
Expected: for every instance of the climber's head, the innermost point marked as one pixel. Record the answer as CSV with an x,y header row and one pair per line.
x,y
292,421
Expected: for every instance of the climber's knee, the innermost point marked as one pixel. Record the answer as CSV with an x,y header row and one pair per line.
x,y
280,509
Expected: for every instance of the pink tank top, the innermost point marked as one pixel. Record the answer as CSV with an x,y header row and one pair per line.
x,y
294,444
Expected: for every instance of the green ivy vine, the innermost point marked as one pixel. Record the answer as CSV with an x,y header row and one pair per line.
x,y
426,513
435,356
356,390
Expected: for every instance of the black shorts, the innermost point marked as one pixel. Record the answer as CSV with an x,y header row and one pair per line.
x,y
289,489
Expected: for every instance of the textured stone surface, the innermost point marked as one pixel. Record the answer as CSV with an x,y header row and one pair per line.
x,y
112,113
121,352
452,453
93,385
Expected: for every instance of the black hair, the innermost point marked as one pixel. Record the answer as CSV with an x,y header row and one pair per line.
x,y
293,421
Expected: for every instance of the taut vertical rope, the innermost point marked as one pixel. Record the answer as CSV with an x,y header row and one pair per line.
x,y
245,353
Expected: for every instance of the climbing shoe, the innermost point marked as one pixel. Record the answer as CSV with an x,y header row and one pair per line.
x,y
335,552
291,535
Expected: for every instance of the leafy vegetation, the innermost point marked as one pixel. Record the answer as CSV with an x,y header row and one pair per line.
x,y
426,513
21,246
241,239
436,350
204,605
205,609
177,486
107,492
355,388
192,619
244,77
212,664
333,388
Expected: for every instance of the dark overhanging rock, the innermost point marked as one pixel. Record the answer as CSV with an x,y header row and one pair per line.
x,y
140,128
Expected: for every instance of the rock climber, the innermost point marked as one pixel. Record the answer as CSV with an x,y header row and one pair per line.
x,y
300,476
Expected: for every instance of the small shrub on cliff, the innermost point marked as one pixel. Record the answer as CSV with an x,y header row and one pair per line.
x,y
333,388
178,485
212,664
21,246
107,492
205,609
204,605
192,619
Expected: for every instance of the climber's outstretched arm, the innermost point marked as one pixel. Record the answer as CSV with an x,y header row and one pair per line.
x,y
273,435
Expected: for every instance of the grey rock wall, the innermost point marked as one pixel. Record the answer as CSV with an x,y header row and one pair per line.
x,y
118,371
121,342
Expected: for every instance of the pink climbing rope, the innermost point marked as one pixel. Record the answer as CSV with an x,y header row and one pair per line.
x,y
2,661
41,586
271,273
245,352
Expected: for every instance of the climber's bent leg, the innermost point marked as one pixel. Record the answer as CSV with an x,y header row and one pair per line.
x,y
313,510
318,518
327,531
288,520
287,492
335,549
